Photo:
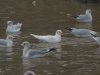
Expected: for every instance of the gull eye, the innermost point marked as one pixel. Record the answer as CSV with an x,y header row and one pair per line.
x,y
59,32
25,43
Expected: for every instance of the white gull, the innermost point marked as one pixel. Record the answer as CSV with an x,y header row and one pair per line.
x,y
13,28
31,53
82,32
87,17
8,42
49,38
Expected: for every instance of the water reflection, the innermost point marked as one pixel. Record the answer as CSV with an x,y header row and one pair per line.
x,y
14,34
6,55
34,62
69,40
46,65
30,63
97,53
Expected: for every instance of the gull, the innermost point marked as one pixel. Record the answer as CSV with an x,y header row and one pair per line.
x,y
96,38
8,42
49,38
82,32
87,17
34,3
28,52
29,73
13,28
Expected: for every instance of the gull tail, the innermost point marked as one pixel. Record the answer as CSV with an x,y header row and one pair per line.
x,y
34,35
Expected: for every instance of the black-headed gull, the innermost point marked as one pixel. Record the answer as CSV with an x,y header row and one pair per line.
x,y
96,38
8,42
13,28
27,52
29,73
82,32
49,38
87,17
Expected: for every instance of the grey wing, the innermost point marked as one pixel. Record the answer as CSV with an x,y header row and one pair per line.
x,y
87,32
34,53
17,27
82,32
83,17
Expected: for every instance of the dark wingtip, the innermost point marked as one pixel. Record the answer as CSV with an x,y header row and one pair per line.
x,y
52,49
93,35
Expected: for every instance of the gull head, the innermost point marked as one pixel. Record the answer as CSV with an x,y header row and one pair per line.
x,y
59,32
9,23
26,43
10,37
29,73
69,29
88,11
